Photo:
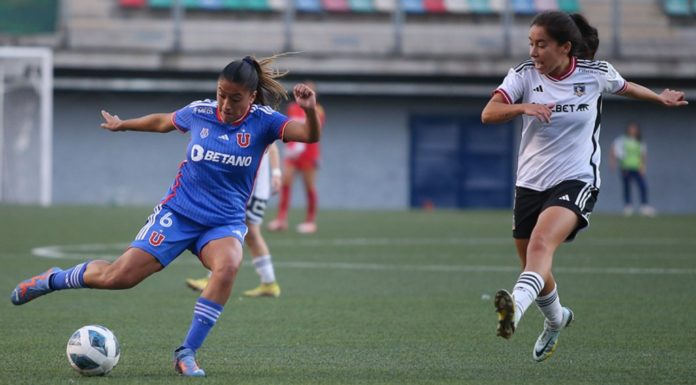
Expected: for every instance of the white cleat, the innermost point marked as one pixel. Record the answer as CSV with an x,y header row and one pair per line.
x,y
548,339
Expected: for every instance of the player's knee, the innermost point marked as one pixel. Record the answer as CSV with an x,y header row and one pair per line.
x,y
226,270
538,247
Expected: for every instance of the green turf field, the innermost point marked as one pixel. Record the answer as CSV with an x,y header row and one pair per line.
x,y
374,297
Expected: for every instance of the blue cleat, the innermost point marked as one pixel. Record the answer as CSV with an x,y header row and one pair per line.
x,y
33,287
185,363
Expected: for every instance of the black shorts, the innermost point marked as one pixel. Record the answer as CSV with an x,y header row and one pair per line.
x,y
577,196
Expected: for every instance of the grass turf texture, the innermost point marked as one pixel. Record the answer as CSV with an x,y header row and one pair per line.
x,y
372,298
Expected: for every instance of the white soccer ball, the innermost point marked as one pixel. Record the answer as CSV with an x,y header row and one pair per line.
x,y
93,350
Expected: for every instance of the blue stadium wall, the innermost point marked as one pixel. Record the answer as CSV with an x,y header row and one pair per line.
x,y
366,150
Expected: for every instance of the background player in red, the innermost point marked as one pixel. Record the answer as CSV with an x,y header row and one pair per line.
x,y
302,157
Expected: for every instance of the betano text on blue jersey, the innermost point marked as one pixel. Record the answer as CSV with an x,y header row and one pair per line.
x,y
215,181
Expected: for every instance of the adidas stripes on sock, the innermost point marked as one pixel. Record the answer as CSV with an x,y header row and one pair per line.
x,y
550,306
527,288
205,315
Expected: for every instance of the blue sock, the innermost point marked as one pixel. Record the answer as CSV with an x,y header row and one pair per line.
x,y
205,314
72,278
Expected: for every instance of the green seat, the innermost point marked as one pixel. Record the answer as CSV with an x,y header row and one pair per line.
x,y
257,5
160,3
677,7
569,6
361,5
480,6
233,4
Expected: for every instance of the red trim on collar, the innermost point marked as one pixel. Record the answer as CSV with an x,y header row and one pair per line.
x,y
236,122
571,69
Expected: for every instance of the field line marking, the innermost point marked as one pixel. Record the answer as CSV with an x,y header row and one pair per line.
x,y
77,252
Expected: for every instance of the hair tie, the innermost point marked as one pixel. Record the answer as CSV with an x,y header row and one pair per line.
x,y
249,60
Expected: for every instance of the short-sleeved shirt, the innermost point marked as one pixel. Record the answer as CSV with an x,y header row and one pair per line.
x,y
215,181
630,152
567,148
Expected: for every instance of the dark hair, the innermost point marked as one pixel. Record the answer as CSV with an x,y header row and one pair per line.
x,y
257,75
637,126
562,27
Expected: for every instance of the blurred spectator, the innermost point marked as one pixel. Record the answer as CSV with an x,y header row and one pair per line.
x,y
629,152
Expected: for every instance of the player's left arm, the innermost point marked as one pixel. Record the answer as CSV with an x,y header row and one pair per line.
x,y
668,97
310,130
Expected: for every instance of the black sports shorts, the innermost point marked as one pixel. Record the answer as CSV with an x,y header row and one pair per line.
x,y
577,196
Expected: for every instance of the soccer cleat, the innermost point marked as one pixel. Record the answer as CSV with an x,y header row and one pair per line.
x,y
197,284
278,225
307,228
505,308
33,287
185,363
548,339
264,290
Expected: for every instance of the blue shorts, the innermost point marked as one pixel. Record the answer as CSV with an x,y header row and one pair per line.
x,y
167,234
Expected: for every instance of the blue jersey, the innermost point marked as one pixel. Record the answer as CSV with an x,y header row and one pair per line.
x,y
213,185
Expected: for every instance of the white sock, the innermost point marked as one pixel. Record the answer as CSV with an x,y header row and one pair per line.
x,y
527,288
264,268
550,306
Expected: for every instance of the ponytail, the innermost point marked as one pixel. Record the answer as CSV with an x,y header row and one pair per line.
x,y
258,75
574,28
587,48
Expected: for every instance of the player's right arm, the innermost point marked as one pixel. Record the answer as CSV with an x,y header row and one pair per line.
x,y
149,123
498,110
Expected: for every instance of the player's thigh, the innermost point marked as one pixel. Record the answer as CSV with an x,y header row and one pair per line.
x,y
131,268
553,227
309,175
166,235
255,211
289,171
521,247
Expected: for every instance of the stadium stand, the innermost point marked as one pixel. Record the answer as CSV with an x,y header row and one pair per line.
x,y
678,7
141,33
361,5
335,5
523,7
312,6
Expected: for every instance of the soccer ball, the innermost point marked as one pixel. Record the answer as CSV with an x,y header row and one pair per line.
x,y
93,350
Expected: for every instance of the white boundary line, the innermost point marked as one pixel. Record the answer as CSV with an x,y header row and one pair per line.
x,y
105,251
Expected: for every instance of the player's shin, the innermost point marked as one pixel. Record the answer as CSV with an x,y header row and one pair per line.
x,y
264,268
527,288
72,278
550,306
205,315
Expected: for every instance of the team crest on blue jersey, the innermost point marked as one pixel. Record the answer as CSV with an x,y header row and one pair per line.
x,y
243,139
204,133
579,89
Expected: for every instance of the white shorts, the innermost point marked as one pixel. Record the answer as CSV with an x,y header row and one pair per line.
x,y
256,207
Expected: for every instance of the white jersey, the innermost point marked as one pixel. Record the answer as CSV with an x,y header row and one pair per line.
x,y
567,148
262,185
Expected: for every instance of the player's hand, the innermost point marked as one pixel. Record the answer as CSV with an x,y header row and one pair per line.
x,y
672,98
305,97
276,183
540,111
111,122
